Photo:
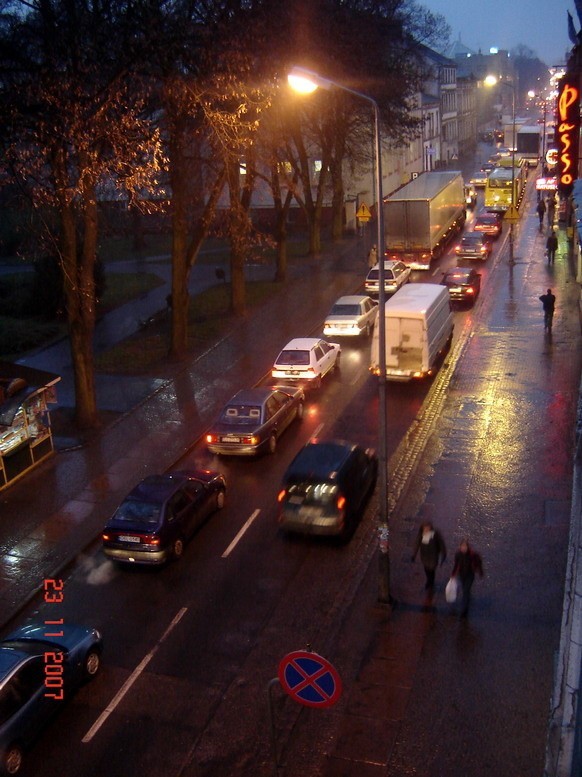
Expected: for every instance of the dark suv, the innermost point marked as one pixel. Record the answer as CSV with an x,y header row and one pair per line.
x,y
326,487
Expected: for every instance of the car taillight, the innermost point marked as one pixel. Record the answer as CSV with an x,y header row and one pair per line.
x,y
310,371
281,495
151,539
210,438
470,290
251,440
105,537
341,502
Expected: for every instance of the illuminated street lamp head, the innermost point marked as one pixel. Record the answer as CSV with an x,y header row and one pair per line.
x,y
306,81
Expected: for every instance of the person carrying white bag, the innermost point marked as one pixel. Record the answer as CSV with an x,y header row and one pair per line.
x,y
467,564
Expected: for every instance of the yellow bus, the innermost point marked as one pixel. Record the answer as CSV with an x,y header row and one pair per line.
x,y
498,187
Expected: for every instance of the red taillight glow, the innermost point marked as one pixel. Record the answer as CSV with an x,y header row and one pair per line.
x,y
281,495
106,537
210,438
470,290
341,502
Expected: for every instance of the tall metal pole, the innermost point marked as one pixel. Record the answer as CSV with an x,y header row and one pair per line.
x,y
383,526
306,81
514,144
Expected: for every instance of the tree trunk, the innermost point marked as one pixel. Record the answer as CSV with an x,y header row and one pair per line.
x,y
179,295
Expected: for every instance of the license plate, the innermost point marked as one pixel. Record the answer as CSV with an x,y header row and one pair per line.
x,y
230,439
128,538
456,289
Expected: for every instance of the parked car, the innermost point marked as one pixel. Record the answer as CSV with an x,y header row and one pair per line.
x,y
254,419
325,488
479,179
396,274
306,360
473,245
351,316
40,666
489,223
463,283
154,521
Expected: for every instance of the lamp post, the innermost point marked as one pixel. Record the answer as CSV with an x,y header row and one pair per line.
x,y
307,81
491,81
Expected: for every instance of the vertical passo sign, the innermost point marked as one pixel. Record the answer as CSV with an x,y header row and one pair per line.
x,y
568,132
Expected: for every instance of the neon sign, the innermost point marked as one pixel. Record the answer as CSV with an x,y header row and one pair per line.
x,y
568,135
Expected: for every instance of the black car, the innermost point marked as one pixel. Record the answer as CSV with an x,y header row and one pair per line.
x,y
326,487
153,522
463,283
489,224
254,419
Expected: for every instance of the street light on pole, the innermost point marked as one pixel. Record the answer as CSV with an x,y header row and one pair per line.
x,y
512,216
307,81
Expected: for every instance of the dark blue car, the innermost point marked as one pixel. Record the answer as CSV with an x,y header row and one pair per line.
x,y
40,665
154,521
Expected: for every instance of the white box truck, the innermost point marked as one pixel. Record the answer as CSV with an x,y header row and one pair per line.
x,y
421,217
419,328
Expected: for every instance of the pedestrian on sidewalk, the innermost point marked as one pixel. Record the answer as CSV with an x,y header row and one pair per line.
x,y
541,211
548,301
468,563
430,543
552,246
373,257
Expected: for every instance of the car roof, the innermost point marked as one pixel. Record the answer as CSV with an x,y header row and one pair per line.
x,y
472,236
301,343
319,460
352,299
159,488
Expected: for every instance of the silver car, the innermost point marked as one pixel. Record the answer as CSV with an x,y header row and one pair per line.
x,y
396,274
351,316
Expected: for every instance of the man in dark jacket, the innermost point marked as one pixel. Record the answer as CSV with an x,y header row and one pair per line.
x,y
548,301
468,563
552,246
431,545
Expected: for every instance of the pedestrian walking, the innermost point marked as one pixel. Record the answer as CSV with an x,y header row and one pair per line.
x,y
373,257
548,301
468,563
431,545
541,211
552,246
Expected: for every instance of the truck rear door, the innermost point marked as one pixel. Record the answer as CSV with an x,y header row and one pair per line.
x,y
405,342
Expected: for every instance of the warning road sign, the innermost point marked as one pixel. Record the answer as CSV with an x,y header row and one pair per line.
x,y
511,215
310,679
363,213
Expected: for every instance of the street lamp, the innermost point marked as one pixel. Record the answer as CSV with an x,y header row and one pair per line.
x,y
512,215
307,81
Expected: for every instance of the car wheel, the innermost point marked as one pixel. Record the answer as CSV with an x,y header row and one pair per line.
x,y
92,664
178,548
12,761
220,498
300,411
272,443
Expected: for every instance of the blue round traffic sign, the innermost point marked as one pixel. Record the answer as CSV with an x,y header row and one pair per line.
x,y
310,679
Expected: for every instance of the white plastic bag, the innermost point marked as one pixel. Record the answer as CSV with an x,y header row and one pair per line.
x,y
451,591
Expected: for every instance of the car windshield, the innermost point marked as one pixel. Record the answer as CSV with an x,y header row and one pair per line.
x,y
471,240
345,310
241,414
137,511
374,275
486,220
293,357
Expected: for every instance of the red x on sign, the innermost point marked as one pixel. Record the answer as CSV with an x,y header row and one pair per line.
x,y
310,679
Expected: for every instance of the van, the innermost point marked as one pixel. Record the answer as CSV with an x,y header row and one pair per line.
x,y
326,487
419,327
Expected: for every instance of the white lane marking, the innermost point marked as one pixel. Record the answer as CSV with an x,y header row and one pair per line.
x,y
131,679
435,271
240,533
317,431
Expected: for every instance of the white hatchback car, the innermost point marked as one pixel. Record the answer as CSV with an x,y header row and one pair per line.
x,y
306,360
351,316
396,274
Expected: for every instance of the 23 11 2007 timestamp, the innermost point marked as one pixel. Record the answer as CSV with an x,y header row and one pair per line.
x,y
53,660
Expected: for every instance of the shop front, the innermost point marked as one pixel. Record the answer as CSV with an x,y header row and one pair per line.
x,y
25,427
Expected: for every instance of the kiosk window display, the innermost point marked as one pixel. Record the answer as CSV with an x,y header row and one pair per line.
x,y
25,427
